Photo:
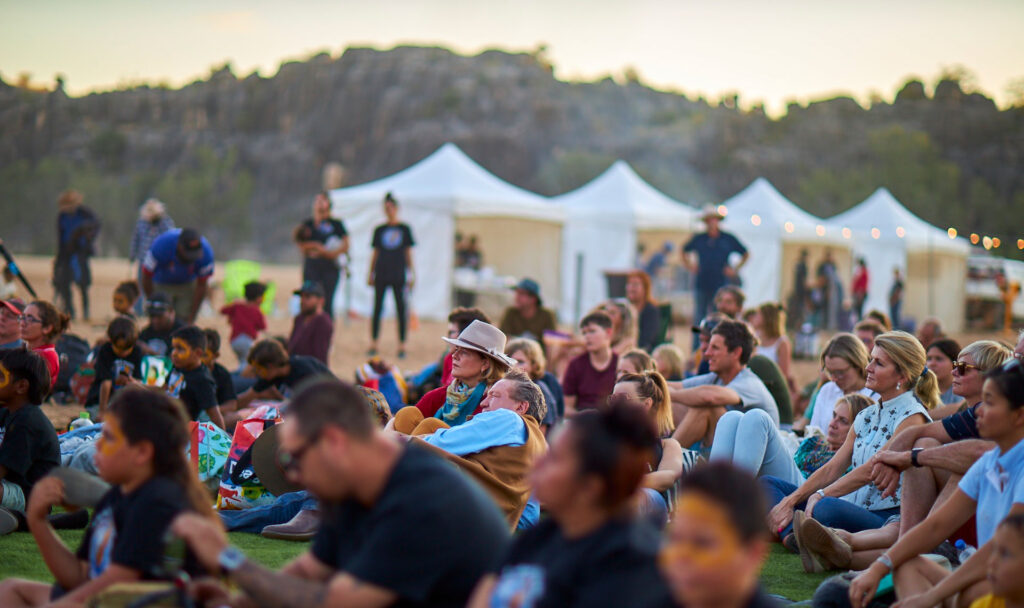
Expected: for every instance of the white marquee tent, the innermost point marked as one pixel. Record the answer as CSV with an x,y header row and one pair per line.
x,y
519,232
606,218
774,230
934,265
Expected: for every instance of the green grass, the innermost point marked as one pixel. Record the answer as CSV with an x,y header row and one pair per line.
x,y
782,572
20,558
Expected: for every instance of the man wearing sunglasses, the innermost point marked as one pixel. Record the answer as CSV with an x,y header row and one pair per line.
x,y
931,458
400,525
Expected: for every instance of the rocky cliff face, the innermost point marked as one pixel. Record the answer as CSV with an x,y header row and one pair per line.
x,y
256,146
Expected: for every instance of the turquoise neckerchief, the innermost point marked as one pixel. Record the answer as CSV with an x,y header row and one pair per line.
x,y
455,411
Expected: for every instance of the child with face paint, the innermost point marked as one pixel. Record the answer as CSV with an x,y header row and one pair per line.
x,y
718,540
1005,566
28,443
117,362
142,454
189,379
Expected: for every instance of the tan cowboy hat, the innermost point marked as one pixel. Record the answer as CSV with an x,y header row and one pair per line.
x,y
485,339
710,210
69,198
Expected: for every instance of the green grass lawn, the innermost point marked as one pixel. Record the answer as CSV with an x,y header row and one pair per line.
x,y
19,558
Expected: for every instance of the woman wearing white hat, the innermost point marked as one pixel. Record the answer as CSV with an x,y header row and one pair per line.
x,y
478,361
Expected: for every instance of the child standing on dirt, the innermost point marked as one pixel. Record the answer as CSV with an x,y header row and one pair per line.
x,y
247,320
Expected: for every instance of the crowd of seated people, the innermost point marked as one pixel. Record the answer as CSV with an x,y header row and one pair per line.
x,y
579,474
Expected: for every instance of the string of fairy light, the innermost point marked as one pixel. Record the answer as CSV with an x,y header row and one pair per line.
x,y
988,242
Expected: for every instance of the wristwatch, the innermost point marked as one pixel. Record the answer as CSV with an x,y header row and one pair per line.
x,y
913,457
821,493
230,559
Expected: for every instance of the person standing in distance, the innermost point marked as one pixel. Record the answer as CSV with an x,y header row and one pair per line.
x,y
391,268
179,264
321,239
707,255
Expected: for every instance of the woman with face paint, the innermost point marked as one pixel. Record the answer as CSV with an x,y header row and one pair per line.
x,y
142,454
590,551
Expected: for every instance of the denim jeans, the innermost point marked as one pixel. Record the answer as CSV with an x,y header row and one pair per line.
x,y
751,441
653,508
281,511
831,512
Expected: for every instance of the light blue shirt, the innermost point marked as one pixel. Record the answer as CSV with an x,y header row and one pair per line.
x,y
485,430
996,483
753,393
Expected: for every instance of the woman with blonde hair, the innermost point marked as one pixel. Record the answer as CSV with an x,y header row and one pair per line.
x,y
623,317
769,321
634,361
669,360
906,389
529,357
649,391
845,360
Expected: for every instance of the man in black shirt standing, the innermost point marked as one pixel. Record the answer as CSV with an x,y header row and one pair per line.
x,y
322,239
382,542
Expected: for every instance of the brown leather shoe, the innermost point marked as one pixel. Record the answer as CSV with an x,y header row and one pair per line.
x,y
824,542
301,527
812,562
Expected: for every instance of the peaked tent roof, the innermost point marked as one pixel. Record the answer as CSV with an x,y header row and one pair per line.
x,y
760,202
619,194
883,212
450,177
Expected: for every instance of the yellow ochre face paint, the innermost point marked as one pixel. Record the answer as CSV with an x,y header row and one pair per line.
x,y
111,439
700,534
180,351
5,376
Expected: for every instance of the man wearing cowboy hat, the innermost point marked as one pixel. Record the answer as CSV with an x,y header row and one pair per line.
x,y
707,255
179,263
77,228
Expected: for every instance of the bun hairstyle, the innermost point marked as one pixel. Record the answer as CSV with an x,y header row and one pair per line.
x,y
1009,381
909,357
773,319
640,359
650,384
148,415
49,316
614,444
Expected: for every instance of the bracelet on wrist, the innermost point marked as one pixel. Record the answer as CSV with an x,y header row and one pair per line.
x,y
886,561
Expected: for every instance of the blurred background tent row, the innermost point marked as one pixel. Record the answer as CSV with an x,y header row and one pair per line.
x,y
575,244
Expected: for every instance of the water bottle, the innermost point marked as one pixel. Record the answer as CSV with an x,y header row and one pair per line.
x,y
82,420
963,550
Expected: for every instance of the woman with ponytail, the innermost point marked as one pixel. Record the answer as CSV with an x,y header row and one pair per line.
x,y
142,454
649,391
906,390
41,325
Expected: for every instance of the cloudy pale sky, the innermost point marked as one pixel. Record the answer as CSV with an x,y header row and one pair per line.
x,y
770,50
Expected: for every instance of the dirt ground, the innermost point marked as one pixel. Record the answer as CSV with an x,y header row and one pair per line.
x,y
351,336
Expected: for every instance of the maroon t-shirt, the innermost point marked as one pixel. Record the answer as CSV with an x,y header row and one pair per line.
x,y
245,319
311,336
589,386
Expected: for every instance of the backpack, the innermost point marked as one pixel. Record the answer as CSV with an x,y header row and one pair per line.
x,y
73,351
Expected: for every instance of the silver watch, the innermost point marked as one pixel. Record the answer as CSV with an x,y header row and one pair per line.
x,y
230,559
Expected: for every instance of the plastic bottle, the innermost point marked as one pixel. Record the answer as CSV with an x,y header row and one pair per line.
x,y
963,550
82,420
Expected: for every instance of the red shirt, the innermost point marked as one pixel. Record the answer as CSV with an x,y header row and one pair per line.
x,y
446,369
860,281
245,319
49,353
590,386
434,400
311,335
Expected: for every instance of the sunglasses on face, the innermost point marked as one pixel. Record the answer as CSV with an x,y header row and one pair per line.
x,y
290,461
961,367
